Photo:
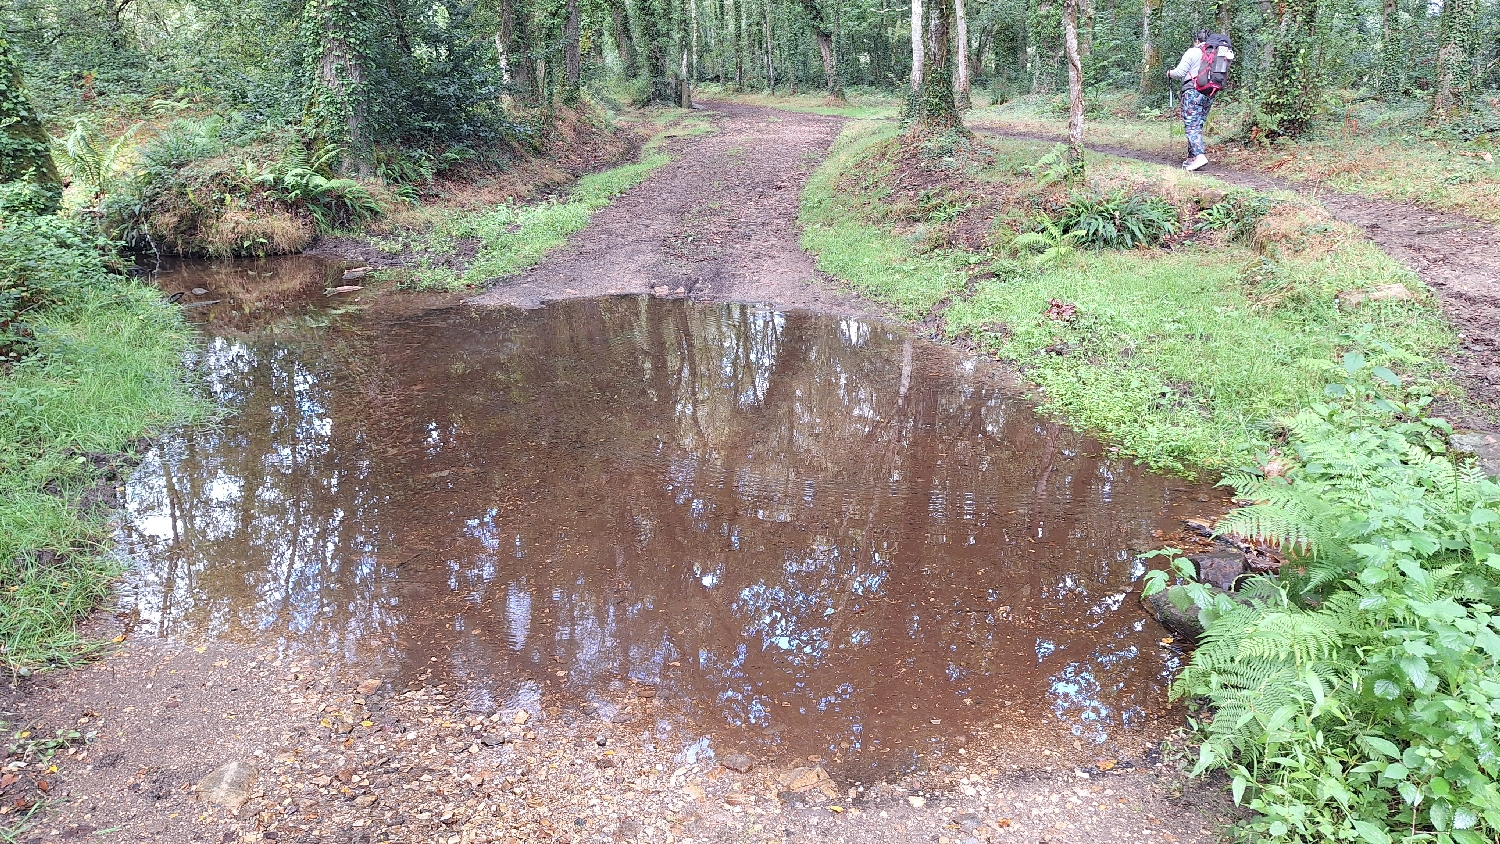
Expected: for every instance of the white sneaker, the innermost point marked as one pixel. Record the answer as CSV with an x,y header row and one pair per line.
x,y
1195,162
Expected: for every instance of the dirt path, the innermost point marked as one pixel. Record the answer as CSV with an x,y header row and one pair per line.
x,y
1456,256
719,223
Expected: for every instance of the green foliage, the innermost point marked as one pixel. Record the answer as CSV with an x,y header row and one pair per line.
x,y
87,159
1357,698
334,203
1236,215
43,261
1051,243
104,366
1120,220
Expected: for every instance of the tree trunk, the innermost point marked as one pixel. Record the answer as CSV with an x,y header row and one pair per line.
x,y
770,60
572,62
1392,50
337,107
624,41
824,35
514,69
961,65
916,46
26,154
1151,72
1455,58
932,107
1075,87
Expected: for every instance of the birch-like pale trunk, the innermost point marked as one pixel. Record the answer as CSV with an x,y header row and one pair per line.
x,y
961,40
916,45
1075,86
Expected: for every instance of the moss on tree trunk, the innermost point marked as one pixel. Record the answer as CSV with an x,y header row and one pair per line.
x,y
25,147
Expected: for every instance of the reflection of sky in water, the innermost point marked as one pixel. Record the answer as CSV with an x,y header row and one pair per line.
x,y
785,516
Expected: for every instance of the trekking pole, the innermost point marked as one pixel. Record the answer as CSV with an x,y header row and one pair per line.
x,y
1171,123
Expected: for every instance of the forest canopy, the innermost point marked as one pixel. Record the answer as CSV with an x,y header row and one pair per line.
x,y
370,74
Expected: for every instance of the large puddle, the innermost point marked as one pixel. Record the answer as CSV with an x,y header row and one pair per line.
x,y
812,536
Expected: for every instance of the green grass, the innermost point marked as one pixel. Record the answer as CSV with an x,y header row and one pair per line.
x,y
884,266
1366,147
1186,359
107,369
512,238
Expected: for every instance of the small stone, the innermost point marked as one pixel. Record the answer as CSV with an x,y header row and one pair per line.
x,y
200,291
364,801
369,687
803,779
738,762
520,717
229,785
605,763
647,692
1221,568
694,792
916,802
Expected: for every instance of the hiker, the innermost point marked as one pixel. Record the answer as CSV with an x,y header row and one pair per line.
x,y
1203,71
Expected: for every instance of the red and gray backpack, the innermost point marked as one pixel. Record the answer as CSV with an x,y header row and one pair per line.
x,y
1217,58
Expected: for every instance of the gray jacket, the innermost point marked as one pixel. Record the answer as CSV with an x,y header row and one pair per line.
x,y
1188,69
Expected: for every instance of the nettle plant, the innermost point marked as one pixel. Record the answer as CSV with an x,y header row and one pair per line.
x,y
1357,696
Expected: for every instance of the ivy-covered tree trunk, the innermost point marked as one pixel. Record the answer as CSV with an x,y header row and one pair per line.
x,y
656,38
1392,50
1291,84
25,147
510,40
338,105
932,107
1455,58
1075,88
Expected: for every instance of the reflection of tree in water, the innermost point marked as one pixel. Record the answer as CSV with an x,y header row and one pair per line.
x,y
788,521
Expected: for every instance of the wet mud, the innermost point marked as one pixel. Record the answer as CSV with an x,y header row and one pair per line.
x,y
803,535
718,223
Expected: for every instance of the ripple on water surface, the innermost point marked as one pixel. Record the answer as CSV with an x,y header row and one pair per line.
x,y
812,535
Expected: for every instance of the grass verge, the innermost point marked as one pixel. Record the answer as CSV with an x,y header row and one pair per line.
x,y
1186,358
1365,147
102,366
509,238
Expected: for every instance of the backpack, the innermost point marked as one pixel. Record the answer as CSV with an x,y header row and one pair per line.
x,y
1217,58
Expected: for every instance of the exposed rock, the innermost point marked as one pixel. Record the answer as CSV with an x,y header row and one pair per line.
x,y
1485,446
1220,568
369,687
1183,620
229,785
738,762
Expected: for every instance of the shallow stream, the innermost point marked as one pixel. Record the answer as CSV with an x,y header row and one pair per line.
x,y
809,535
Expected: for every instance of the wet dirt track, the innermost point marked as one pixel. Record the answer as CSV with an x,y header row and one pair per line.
x,y
718,223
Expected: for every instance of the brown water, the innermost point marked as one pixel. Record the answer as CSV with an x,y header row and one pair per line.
x,y
812,535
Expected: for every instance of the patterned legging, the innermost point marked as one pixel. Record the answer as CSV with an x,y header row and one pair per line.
x,y
1195,106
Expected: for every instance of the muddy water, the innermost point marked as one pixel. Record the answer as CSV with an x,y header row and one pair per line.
x,y
810,536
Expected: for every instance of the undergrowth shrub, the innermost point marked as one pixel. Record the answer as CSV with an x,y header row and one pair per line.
x,y
43,260
1237,216
1120,220
1356,696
